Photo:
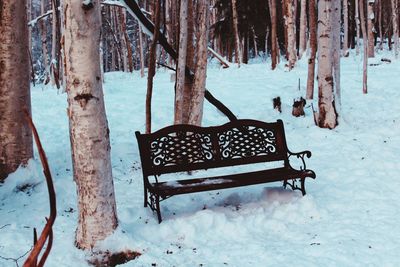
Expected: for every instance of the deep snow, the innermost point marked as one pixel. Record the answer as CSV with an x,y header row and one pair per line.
x,y
349,216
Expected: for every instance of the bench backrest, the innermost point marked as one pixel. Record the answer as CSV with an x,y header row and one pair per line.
x,y
180,148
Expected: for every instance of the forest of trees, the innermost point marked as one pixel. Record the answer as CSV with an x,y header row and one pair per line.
x,y
70,44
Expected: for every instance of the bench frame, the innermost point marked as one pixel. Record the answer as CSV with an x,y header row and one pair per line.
x,y
185,148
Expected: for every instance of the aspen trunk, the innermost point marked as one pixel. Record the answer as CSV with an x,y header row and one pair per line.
x,y
254,42
327,111
141,52
238,52
274,44
15,135
346,28
371,18
55,46
357,18
152,64
303,28
182,53
190,61
199,86
89,133
290,27
313,51
395,23
380,25
336,19
43,38
365,45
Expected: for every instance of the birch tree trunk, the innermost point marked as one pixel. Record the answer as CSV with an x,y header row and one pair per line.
x,y
336,29
395,22
371,18
380,25
182,53
357,28
238,52
303,28
89,133
199,86
290,27
313,45
55,46
190,61
326,102
152,64
346,28
365,45
141,52
15,135
43,38
274,44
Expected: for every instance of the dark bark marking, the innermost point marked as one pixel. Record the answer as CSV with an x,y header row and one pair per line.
x,y
87,6
83,99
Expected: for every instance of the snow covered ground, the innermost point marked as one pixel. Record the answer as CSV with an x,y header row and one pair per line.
x,y
349,217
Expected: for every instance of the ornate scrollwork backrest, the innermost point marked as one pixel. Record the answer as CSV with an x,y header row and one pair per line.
x,y
181,148
247,141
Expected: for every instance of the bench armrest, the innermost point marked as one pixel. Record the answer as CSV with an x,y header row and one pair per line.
x,y
300,155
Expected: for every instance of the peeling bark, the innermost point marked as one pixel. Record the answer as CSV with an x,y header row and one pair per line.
x,y
89,133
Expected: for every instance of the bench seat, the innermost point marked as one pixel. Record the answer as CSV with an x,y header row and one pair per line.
x,y
166,189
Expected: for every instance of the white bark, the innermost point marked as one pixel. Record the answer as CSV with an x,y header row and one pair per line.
x,y
365,45
395,27
238,51
199,86
15,135
346,28
327,112
180,72
357,18
371,39
303,28
290,26
89,133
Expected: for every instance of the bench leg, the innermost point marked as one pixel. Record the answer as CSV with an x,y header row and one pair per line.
x,y
294,186
303,188
158,208
145,196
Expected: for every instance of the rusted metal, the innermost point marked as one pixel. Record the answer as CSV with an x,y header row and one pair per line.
x,y
185,148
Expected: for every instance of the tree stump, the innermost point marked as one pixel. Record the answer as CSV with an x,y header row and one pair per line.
x,y
298,107
277,104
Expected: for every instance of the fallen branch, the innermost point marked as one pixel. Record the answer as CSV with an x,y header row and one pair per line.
x,y
47,233
223,62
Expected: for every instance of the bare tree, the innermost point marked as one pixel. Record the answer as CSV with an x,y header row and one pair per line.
x,y
365,45
371,19
89,133
16,144
152,64
290,28
238,52
274,44
313,45
395,23
326,102
199,86
182,52
346,28
303,28
357,18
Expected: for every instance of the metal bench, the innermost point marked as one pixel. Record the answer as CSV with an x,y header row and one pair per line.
x,y
186,148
